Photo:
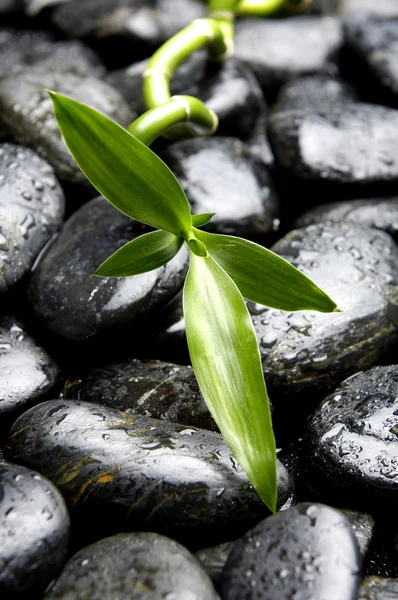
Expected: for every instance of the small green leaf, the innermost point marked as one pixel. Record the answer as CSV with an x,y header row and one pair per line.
x,y
123,170
226,360
203,219
144,253
264,277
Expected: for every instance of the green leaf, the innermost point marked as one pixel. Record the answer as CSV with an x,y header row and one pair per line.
x,y
203,219
264,277
146,252
123,170
226,360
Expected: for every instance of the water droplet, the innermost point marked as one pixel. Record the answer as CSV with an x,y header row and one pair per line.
x,y
106,436
269,339
3,242
85,562
26,195
283,573
27,224
5,347
18,477
220,492
47,514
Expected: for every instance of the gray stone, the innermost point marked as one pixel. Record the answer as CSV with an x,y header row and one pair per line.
x,y
143,566
31,211
11,6
308,551
213,559
281,50
129,472
354,144
152,388
221,175
307,353
353,438
34,532
20,49
314,93
378,588
26,370
363,527
27,114
361,7
378,213
73,304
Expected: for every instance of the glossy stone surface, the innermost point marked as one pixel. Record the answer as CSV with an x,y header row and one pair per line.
x,y
124,472
314,93
143,566
26,370
353,438
34,532
378,213
213,559
31,211
308,551
356,143
307,353
363,527
381,7
152,388
220,175
20,49
78,306
26,112
375,41
280,50
378,588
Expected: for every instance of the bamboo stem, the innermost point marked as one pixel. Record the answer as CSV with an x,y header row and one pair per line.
x,y
269,8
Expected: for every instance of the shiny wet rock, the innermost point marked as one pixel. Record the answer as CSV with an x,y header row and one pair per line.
x,y
282,49
314,93
123,472
220,175
143,566
27,372
34,532
380,213
354,144
27,115
73,304
353,437
213,559
308,551
307,353
152,388
31,210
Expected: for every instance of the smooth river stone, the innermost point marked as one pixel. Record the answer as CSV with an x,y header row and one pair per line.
x,y
279,50
31,211
27,114
352,441
353,144
143,566
307,353
21,49
378,588
378,213
306,552
152,388
314,93
220,175
34,532
77,306
26,370
381,7
123,472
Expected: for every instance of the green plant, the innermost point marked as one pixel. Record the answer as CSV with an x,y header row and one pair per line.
x,y
223,269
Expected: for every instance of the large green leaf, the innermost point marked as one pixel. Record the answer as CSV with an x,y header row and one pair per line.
x,y
203,219
122,169
226,360
147,252
264,277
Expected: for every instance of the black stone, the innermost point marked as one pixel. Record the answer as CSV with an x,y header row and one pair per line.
x,y
363,526
378,213
34,532
308,551
281,50
143,566
21,49
31,211
11,6
353,144
77,306
27,114
122,472
314,93
307,353
152,388
378,588
220,175
352,441
213,559
26,371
